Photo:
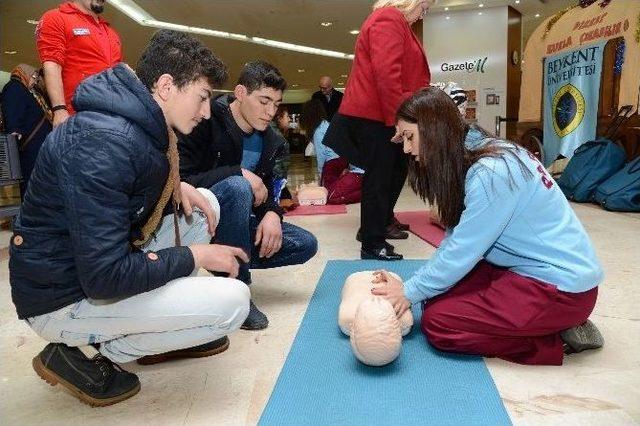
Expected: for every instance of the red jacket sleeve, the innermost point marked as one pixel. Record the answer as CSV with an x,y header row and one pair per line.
x,y
50,37
386,44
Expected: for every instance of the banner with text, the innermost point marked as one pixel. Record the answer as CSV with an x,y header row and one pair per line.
x,y
572,92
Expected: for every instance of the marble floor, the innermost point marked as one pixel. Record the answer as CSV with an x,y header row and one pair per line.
x,y
593,388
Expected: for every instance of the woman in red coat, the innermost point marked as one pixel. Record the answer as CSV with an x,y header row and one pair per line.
x,y
389,66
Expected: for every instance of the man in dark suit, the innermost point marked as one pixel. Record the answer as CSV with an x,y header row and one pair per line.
x,y
329,96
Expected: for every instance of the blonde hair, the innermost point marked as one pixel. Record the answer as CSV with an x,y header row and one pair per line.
x,y
403,6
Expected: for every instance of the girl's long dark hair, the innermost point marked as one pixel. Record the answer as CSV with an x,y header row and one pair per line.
x,y
313,114
440,172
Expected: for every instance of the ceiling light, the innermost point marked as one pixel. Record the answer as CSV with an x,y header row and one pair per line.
x,y
131,9
354,32
326,24
299,48
448,17
142,17
537,15
479,13
341,84
10,52
295,85
32,21
481,5
517,1
300,70
344,76
446,9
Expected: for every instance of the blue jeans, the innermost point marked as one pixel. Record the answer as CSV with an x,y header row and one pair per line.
x,y
238,226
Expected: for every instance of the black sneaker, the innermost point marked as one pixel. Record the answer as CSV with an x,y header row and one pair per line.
x,y
390,234
256,320
401,226
379,254
95,381
580,338
207,349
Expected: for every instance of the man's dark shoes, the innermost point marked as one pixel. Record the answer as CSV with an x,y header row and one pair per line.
x,y
401,226
391,233
256,320
379,254
580,338
394,233
207,349
95,381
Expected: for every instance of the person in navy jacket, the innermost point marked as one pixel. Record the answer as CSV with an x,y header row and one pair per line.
x,y
516,276
108,240
389,65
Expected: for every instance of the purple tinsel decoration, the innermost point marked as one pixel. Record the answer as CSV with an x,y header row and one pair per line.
x,y
620,48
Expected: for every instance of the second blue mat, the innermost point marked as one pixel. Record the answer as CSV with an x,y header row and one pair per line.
x,y
322,382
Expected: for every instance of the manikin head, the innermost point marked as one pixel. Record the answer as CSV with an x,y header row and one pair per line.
x,y
258,95
413,10
370,321
180,72
326,85
376,335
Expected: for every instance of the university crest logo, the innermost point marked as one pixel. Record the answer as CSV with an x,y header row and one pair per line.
x,y
568,110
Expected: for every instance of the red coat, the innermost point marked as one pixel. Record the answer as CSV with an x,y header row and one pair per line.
x,y
389,66
78,43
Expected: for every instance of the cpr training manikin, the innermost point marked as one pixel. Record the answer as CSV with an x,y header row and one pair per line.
x,y
312,195
370,321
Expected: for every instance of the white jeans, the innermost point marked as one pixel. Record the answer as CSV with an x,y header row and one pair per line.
x,y
184,312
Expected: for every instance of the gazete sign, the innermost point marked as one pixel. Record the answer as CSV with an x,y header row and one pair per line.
x,y
468,66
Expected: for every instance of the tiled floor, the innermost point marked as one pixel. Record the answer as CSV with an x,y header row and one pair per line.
x,y
595,388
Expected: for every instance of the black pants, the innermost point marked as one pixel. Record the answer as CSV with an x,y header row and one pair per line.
x,y
367,144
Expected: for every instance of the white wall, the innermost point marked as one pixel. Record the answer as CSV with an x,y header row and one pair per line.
x,y
469,37
4,78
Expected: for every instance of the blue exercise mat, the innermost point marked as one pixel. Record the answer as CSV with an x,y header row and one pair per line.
x,y
322,383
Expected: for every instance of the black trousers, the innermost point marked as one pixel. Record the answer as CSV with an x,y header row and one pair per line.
x,y
367,144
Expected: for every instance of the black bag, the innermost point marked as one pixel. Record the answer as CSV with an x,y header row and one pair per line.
x,y
9,159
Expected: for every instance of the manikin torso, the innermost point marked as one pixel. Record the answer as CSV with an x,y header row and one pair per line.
x,y
312,194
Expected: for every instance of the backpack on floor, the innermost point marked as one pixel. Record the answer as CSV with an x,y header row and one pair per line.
x,y
592,163
621,192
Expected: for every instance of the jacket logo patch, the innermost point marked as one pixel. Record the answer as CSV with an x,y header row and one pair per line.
x,y
139,212
81,31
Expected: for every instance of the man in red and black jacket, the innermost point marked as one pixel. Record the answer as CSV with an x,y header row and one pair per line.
x,y
74,42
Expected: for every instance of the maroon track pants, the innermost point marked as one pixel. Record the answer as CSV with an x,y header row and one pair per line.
x,y
494,312
344,187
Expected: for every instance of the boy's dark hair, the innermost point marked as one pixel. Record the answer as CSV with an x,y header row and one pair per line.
x,y
258,74
182,56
